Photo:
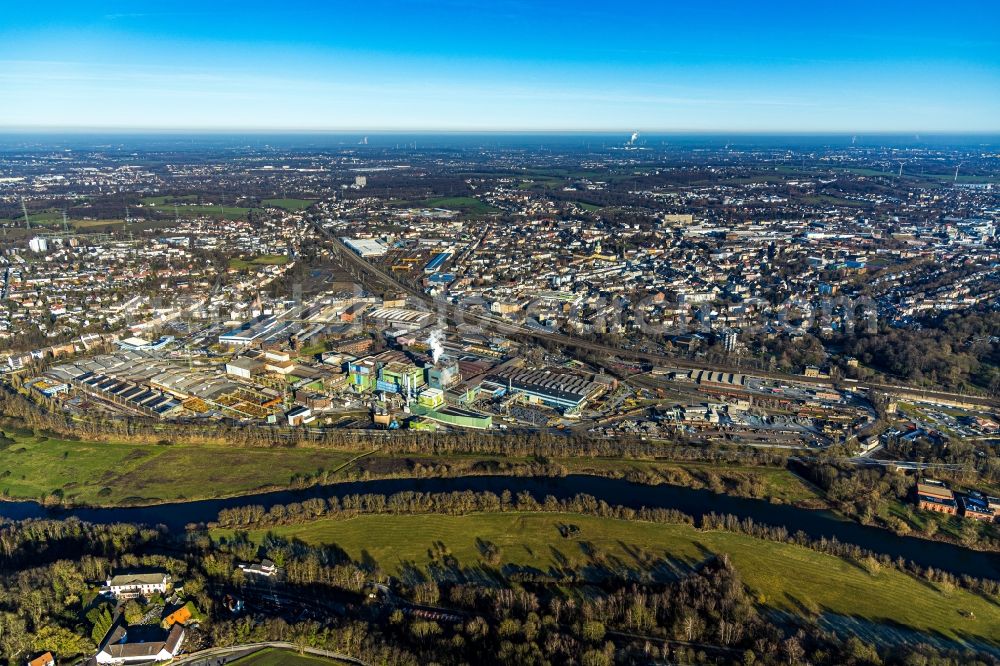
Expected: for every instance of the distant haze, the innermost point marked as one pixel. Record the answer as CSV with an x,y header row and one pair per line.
x,y
182,140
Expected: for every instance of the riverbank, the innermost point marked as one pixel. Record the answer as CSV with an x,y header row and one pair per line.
x,y
773,483
784,577
697,503
108,474
80,473
68,474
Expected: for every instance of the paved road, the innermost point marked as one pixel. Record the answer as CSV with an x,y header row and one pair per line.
x,y
214,656
875,462
454,314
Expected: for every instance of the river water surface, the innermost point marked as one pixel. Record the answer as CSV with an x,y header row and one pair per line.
x,y
697,503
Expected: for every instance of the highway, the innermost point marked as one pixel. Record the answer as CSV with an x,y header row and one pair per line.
x,y
453,314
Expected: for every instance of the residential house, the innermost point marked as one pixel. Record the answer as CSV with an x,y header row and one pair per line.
x,y
180,616
43,660
132,585
124,645
266,568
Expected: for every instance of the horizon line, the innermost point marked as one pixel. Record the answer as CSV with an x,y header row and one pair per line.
x,y
76,129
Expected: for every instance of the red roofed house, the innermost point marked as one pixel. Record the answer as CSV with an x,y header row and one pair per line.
x,y
43,660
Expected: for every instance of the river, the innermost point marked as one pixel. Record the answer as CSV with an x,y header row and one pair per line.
x,y
697,503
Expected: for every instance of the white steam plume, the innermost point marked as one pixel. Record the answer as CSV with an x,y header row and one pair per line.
x,y
436,342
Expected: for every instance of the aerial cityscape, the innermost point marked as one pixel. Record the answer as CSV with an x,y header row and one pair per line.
x,y
645,353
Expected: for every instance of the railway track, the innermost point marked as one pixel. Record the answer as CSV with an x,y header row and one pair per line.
x,y
454,314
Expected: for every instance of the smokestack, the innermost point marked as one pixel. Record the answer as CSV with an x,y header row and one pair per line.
x,y
435,341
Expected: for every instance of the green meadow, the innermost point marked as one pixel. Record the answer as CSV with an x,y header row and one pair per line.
x,y
781,576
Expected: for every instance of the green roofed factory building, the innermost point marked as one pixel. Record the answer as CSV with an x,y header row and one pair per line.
x,y
456,416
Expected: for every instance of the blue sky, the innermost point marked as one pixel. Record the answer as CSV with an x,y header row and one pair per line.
x,y
503,65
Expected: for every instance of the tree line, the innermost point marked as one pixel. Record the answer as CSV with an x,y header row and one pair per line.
x,y
468,502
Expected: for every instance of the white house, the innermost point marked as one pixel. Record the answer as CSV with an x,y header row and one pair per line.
x,y
130,586
265,568
119,648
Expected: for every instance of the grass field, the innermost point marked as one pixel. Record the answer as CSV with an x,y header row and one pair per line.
x,y
783,576
52,220
289,204
187,209
210,210
312,350
49,217
263,260
463,204
274,657
113,473
88,225
116,473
